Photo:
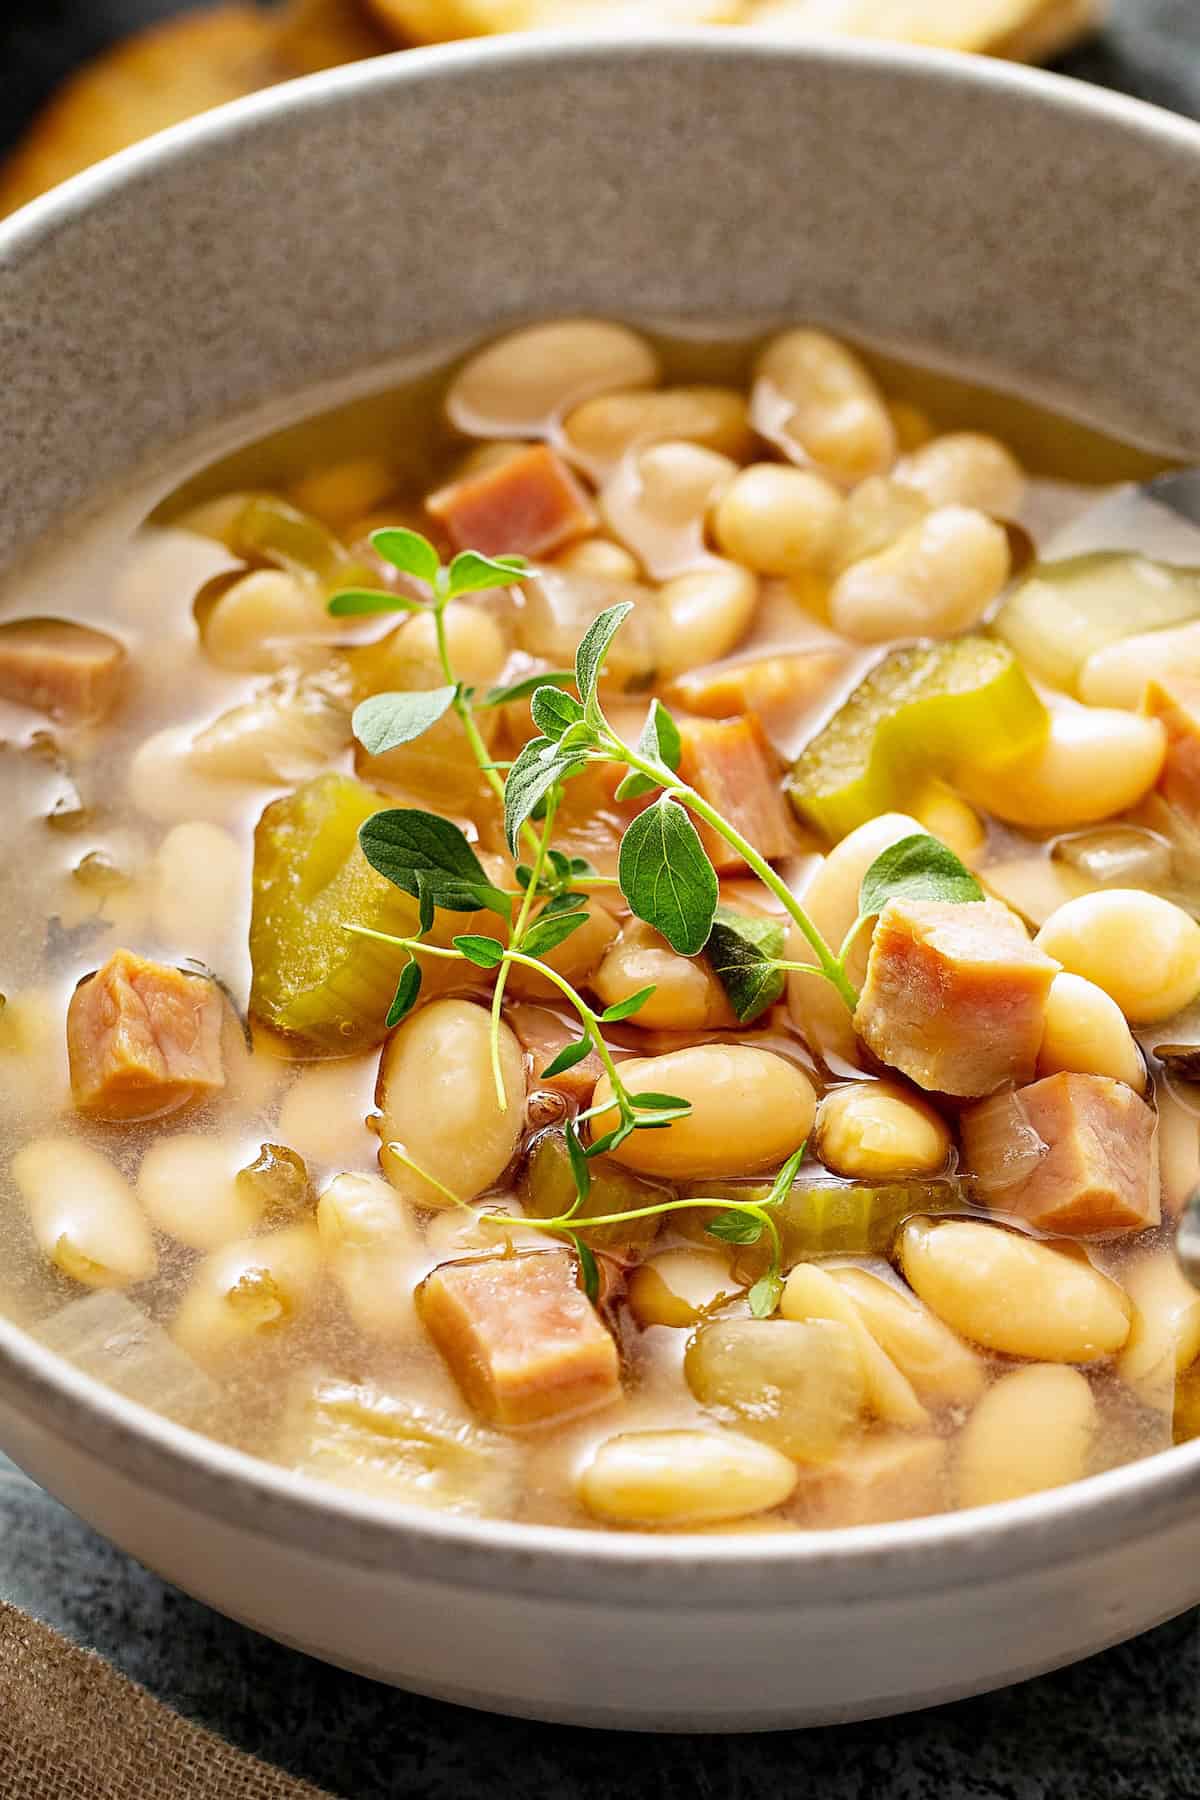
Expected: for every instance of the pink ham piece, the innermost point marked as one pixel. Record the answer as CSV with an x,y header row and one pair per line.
x,y
955,996
144,1039
522,1340
530,505
1097,1173
1177,703
542,1036
70,671
731,764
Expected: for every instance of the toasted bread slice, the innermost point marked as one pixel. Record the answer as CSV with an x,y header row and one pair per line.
x,y
1028,29
155,79
321,34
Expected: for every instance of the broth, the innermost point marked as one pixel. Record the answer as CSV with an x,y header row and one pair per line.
x,y
291,1330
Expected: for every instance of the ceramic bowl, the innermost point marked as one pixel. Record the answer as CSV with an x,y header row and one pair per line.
x,y
975,215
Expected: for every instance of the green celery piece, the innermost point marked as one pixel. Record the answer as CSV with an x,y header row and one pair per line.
x,y
311,978
920,712
1063,612
547,1191
824,1215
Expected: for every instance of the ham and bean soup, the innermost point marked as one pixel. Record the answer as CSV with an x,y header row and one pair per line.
x,y
609,938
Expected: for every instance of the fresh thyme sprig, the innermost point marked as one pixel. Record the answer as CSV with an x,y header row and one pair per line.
x,y
663,872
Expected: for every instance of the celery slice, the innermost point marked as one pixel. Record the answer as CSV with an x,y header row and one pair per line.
x,y
918,713
1063,612
547,1191
313,979
824,1215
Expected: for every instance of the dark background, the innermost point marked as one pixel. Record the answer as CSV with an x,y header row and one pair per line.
x,y
1123,1726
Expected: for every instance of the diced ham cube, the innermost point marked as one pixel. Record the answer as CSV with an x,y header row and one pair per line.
x,y
530,505
1177,703
542,1035
70,671
955,996
730,763
522,1340
144,1039
777,689
1097,1173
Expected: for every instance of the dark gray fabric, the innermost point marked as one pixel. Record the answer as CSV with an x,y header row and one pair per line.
x,y
1124,1726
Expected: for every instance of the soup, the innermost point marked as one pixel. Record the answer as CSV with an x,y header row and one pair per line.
x,y
608,939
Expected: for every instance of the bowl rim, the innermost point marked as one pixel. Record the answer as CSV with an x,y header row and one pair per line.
x,y
638,1568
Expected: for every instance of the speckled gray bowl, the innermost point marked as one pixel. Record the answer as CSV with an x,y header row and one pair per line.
x,y
1041,233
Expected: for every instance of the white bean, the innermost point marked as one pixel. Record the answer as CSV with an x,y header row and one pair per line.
x,y
1165,1339
519,385
602,431
1119,674
1033,1430
247,1294
815,399
657,501
440,1107
938,578
600,559
966,468
1014,1294
188,1187
687,995
371,1245
84,1217
286,735
1142,950
258,621
677,1287
199,897
750,1110
942,1369
796,1384
1094,762
778,520
831,901
1085,1034
684,1478
704,615
809,1293
874,515
879,1131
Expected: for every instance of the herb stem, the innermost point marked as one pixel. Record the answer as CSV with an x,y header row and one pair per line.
x,y
829,964
528,902
401,1155
415,944
588,1019
466,714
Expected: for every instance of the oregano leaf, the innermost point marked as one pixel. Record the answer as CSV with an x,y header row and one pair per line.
x,y
919,867
625,1009
524,689
589,658
408,989
554,712
568,1058
360,603
765,1295
743,952
407,551
547,934
471,572
530,780
666,876
420,852
484,952
735,1228
385,721
588,1268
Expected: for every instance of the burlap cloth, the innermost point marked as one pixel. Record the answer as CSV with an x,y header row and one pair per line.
x,y
71,1728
